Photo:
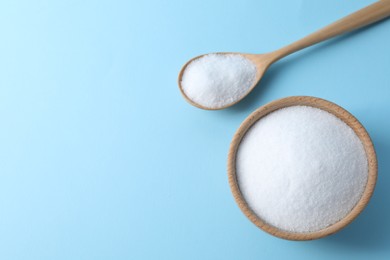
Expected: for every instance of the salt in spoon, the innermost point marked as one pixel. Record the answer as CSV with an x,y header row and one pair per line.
x,y
370,14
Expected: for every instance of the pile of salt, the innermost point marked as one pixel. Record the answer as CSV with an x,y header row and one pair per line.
x,y
217,80
301,169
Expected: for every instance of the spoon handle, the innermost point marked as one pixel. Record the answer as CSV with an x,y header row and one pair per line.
x,y
370,14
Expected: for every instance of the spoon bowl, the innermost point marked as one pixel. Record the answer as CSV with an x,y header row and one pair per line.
x,y
261,61
363,17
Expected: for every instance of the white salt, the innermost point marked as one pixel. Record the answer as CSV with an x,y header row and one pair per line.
x,y
217,80
301,169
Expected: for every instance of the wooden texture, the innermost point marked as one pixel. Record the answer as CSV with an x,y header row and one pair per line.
x,y
332,108
368,15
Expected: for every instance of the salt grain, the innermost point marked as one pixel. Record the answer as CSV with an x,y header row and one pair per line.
x,y
301,169
217,80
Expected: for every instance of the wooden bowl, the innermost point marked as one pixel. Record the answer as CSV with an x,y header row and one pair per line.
x,y
334,109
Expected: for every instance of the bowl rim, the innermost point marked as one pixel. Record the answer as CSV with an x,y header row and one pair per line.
x,y
325,105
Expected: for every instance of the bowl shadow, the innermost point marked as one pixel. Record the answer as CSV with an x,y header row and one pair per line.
x,y
370,230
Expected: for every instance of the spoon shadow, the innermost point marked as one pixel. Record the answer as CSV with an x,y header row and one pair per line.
x,y
265,84
260,90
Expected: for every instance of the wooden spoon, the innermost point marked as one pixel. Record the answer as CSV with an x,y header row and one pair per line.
x,y
370,14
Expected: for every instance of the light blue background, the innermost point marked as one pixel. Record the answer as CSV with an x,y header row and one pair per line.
x,y
101,158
